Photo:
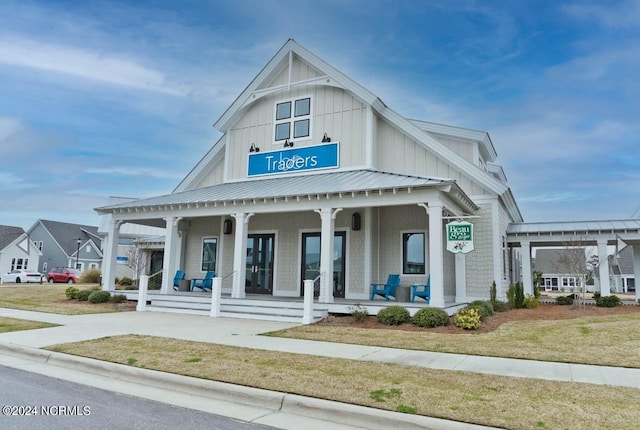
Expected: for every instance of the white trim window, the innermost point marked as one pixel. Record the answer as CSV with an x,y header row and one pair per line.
x,y
19,263
209,253
413,253
292,120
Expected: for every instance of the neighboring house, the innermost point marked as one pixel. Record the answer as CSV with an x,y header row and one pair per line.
x,y
559,268
313,172
67,245
17,251
621,269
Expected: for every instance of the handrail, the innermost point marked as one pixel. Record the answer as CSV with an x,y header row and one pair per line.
x,y
229,274
151,276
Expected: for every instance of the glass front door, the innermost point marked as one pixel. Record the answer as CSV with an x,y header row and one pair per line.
x,y
260,264
311,261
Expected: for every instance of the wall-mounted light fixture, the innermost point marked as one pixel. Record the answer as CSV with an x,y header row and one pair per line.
x,y
227,227
356,221
288,144
326,138
254,148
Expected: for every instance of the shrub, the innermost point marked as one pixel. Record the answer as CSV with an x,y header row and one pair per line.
x,y
596,295
485,308
71,293
117,281
494,292
99,297
430,317
83,295
608,301
511,296
91,276
118,298
126,281
359,313
531,302
501,306
467,318
519,299
393,315
564,300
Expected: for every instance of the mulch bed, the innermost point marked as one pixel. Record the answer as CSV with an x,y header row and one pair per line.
x,y
543,312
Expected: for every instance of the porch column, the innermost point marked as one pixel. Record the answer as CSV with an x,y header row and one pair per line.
x,y
109,256
171,253
636,269
240,255
527,273
327,216
436,255
461,277
605,285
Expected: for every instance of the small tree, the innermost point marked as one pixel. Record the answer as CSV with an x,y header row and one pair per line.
x,y
136,261
575,260
537,282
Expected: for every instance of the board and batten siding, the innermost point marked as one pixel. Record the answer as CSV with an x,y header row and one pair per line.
x,y
397,152
334,111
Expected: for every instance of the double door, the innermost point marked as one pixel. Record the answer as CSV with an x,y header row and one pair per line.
x,y
260,249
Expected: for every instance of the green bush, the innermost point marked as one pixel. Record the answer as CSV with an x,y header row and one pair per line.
x,y
430,317
596,295
511,296
608,301
393,315
118,298
467,318
71,293
117,281
564,300
91,276
530,302
99,297
500,306
519,295
485,308
83,295
125,281
359,313
494,292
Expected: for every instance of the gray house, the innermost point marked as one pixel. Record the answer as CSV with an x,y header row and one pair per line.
x,y
621,269
66,245
559,268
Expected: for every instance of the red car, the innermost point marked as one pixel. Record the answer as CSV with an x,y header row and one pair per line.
x,y
63,274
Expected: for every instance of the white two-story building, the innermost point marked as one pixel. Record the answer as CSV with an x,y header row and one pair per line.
x,y
315,177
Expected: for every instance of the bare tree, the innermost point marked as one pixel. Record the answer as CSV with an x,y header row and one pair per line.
x,y
574,260
137,261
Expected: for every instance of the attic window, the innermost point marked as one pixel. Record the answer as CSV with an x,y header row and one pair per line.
x,y
292,120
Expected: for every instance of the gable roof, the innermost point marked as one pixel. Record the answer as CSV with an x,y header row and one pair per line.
x,y
66,235
333,77
8,234
555,261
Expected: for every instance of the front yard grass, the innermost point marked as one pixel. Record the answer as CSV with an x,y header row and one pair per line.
x,y
612,340
506,402
50,298
12,324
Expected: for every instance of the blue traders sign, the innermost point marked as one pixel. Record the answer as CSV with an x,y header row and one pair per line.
x,y
293,160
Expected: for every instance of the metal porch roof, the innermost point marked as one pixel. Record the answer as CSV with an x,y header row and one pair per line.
x,y
302,185
607,226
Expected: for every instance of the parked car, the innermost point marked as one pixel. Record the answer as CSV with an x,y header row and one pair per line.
x,y
63,274
21,275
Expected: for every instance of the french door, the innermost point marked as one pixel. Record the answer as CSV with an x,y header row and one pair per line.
x,y
311,261
260,248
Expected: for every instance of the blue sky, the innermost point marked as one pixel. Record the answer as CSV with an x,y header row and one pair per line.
x,y
107,98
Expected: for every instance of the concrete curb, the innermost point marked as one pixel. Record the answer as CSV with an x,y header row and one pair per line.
x,y
320,409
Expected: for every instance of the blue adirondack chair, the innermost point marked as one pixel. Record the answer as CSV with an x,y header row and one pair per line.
x,y
420,290
386,290
176,279
204,283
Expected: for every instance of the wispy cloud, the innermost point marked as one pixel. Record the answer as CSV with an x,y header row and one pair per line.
x,y
135,171
103,67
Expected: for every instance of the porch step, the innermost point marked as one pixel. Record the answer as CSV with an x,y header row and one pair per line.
x,y
235,308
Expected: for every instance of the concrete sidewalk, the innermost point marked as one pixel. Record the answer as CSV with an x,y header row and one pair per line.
x,y
245,333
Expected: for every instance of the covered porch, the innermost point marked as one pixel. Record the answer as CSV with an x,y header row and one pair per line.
x,y
370,212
